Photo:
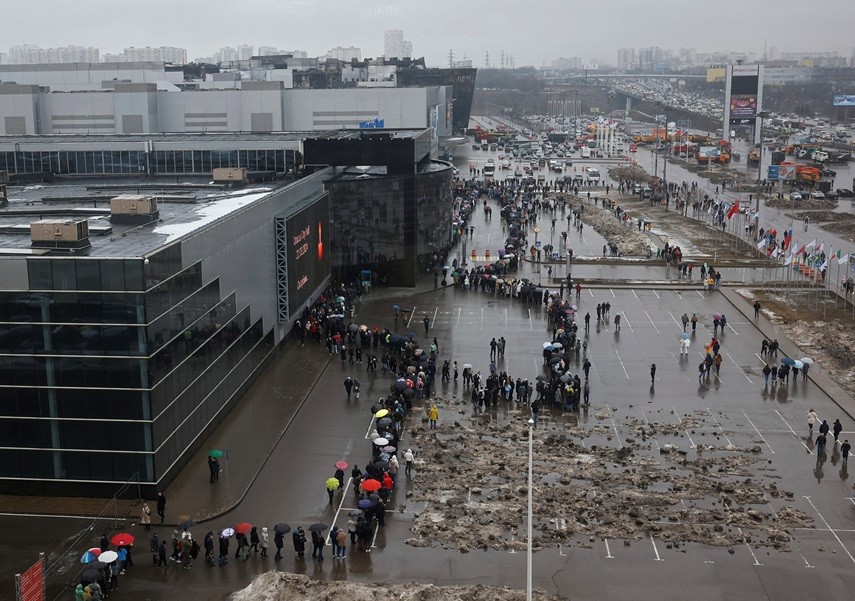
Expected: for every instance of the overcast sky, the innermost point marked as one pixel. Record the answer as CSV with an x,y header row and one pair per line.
x,y
531,31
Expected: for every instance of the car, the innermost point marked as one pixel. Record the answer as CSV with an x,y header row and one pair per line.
x,y
518,173
795,196
476,147
568,178
831,195
845,193
816,194
828,173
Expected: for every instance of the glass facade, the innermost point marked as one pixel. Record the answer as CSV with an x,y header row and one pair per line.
x,y
131,162
390,224
111,368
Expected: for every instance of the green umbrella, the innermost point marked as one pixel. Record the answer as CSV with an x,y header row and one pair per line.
x,y
332,483
216,453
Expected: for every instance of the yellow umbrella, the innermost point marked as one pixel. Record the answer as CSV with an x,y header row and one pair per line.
x,y
333,483
381,413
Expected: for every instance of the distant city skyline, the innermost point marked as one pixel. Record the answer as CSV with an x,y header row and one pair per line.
x,y
470,29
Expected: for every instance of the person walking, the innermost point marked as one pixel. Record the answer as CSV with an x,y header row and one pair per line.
x,y
161,554
317,545
824,428
844,450
265,541
348,386
764,347
766,371
145,517
756,308
820,446
493,349
652,373
811,419
717,360
433,415
805,369
341,543
409,457
837,428
278,542
685,320
426,321
535,410
617,322
588,321
694,321
161,506
586,367
254,539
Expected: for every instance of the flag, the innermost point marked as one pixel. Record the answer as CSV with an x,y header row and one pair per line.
x,y
843,259
734,209
788,260
794,250
812,244
838,254
776,252
801,250
823,266
821,247
762,243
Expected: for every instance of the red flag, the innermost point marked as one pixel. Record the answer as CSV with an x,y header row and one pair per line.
x,y
800,251
733,210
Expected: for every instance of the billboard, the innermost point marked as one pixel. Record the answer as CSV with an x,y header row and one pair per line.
x,y
30,585
848,100
743,106
309,255
781,172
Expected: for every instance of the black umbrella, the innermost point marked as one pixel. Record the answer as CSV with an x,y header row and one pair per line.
x,y
381,465
541,378
186,524
98,565
409,392
384,422
89,575
566,378
281,528
318,527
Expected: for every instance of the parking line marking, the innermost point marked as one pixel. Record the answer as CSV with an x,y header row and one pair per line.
x,y
627,321
459,312
613,293
680,419
614,426
621,364
718,425
651,322
646,421
368,431
655,550
340,505
482,317
413,312
657,294
763,438
807,448
699,294
833,533
734,331
434,315
530,324
750,381
608,550
634,294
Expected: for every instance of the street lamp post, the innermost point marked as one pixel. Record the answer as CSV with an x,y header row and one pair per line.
x,y
528,585
761,115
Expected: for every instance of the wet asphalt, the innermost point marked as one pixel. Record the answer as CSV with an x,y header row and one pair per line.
x,y
328,428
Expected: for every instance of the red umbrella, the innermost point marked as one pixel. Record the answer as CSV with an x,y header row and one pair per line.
x,y
371,485
122,539
243,527
341,465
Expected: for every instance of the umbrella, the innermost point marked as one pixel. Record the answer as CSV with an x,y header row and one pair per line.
x,y
410,335
467,366
89,556
554,360
566,378
122,539
547,344
409,392
341,465
339,299
318,527
806,360
215,453
798,364
355,513
541,378
364,504
186,524
123,554
100,565
381,465
244,527
380,441
108,556
716,315
396,308
557,345
227,532
353,327
381,413
388,449
400,384
281,528
371,485
684,335
384,423
332,483
787,361
363,328
89,575
549,347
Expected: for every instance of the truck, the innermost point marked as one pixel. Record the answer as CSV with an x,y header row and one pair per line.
x,y
753,158
805,174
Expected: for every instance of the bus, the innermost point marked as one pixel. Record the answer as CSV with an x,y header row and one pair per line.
x,y
586,152
489,169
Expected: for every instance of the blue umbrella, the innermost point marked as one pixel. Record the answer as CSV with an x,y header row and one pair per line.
x,y
798,364
685,336
88,557
364,504
396,308
410,335
788,361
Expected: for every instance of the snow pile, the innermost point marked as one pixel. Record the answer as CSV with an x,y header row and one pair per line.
x,y
285,586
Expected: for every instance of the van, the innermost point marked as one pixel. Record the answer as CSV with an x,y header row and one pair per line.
x,y
593,175
586,152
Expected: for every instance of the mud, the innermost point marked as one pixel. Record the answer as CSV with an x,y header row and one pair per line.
x,y
471,484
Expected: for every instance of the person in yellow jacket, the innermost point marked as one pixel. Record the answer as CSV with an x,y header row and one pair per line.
x,y
433,415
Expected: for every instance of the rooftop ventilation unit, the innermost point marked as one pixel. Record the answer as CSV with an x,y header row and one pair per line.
x,y
135,209
60,234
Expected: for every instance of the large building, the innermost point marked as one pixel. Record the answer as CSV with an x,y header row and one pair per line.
x,y
395,46
28,54
130,325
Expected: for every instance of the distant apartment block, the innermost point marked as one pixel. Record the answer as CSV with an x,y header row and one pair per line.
x,y
395,46
28,54
344,54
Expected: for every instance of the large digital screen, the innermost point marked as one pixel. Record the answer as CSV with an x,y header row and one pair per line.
x,y
743,106
848,100
309,253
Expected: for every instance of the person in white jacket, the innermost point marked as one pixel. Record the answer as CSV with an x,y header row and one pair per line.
x,y
811,421
265,542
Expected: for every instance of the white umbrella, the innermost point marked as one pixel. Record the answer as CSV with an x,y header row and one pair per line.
x,y
806,360
108,556
380,441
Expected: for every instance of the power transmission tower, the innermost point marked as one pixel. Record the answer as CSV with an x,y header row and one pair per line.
x,y
450,59
487,60
502,60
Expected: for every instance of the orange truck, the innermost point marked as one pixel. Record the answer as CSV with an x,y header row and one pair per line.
x,y
804,173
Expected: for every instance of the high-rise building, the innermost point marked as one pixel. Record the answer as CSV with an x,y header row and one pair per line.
x,y
28,54
626,58
395,45
344,54
166,54
244,52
